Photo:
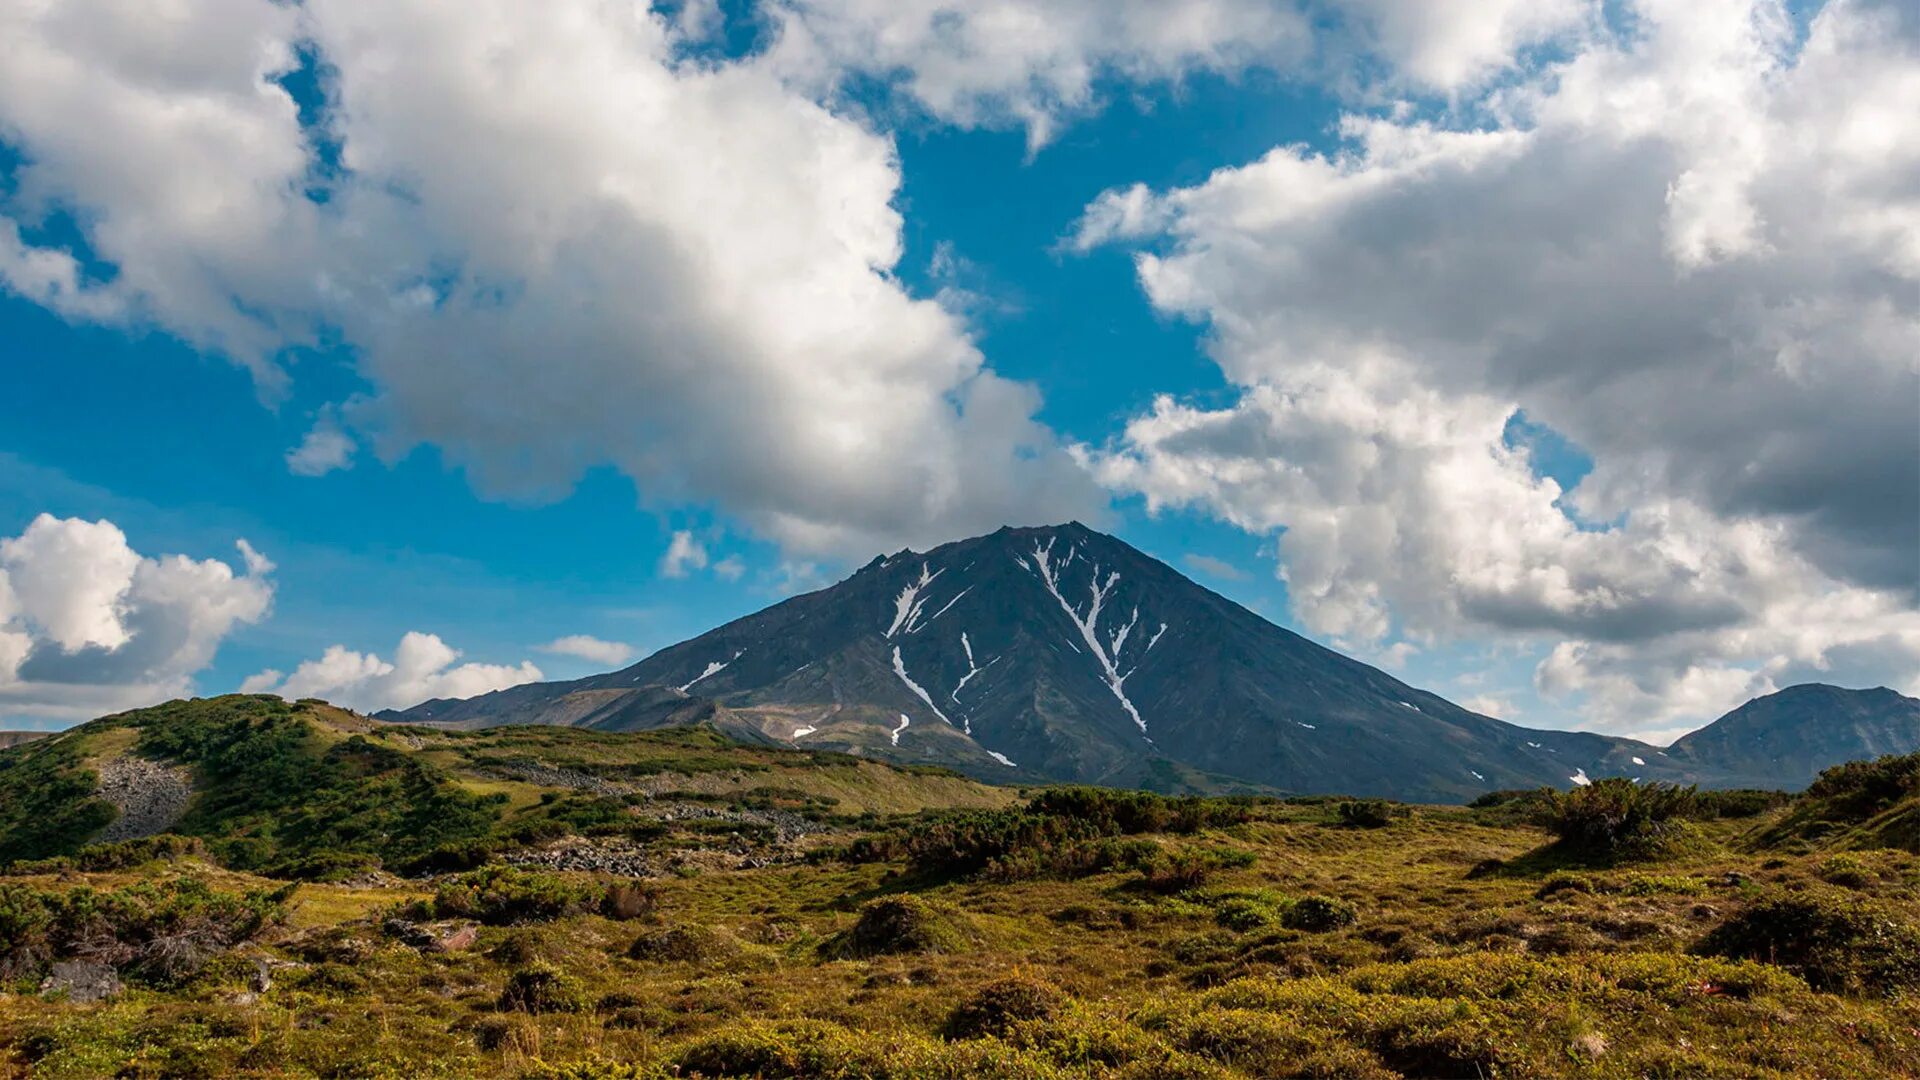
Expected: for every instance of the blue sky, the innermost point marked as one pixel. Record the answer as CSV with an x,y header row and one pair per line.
x,y
1380,356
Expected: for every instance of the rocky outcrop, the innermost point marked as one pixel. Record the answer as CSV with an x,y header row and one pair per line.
x,y
82,982
150,796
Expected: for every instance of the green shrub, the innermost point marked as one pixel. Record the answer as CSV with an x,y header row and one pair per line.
x,y
1861,789
686,944
900,924
1846,870
1244,911
1740,802
161,932
1318,914
997,1006
1836,941
1366,813
1062,832
1191,867
1615,817
503,895
325,866
542,988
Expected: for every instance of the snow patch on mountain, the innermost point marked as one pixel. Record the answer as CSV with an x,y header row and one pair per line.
x,y
714,667
907,605
895,733
900,669
1099,588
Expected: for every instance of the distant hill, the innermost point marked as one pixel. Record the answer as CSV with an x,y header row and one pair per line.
x,y
1064,654
273,785
1785,739
15,738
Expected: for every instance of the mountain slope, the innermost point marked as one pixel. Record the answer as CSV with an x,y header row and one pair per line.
x,y
1061,653
1785,739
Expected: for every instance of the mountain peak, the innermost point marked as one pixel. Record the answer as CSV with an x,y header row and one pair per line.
x,y
1056,652
1785,738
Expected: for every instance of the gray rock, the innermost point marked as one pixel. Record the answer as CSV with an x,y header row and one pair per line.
x,y
82,981
151,797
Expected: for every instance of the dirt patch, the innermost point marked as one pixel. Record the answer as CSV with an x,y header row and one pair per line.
x,y
151,797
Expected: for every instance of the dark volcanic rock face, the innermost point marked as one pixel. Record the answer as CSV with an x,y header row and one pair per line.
x,y
1061,653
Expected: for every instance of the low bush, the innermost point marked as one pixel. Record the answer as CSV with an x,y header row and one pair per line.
x,y
997,1006
1187,868
900,924
542,988
1062,832
1366,813
1845,870
1739,802
160,932
503,895
687,944
1318,914
1836,941
1617,818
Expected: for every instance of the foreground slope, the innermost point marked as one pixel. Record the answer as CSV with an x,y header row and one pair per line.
x,y
1061,653
1214,942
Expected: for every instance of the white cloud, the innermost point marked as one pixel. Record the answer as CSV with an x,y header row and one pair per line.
x,y
1212,567
1037,64
684,553
324,449
88,625
554,242
1448,45
1690,250
1029,63
730,568
1490,705
587,647
422,668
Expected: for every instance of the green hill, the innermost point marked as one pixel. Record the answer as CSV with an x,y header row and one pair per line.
x,y
292,787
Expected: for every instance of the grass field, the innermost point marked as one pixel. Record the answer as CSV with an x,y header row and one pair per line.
x,y
1443,971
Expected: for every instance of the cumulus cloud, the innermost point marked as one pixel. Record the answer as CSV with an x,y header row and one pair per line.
x,y
423,668
1039,64
89,626
1690,248
554,241
1030,63
587,647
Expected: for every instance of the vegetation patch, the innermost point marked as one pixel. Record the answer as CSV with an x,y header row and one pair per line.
x,y
901,924
995,1008
505,895
160,932
1615,818
1836,941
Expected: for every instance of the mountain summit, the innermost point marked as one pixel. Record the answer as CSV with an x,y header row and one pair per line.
x,y
1061,653
1784,739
